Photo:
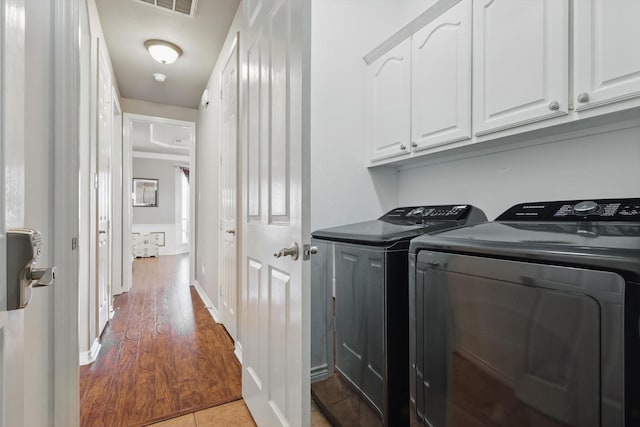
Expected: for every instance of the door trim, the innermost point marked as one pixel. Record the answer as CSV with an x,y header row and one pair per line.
x,y
66,110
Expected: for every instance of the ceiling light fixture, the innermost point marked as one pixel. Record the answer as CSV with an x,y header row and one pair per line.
x,y
163,51
159,77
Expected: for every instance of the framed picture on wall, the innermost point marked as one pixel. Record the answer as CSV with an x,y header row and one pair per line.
x,y
145,192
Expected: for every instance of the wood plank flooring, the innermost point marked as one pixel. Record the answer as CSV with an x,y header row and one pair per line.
x,y
162,354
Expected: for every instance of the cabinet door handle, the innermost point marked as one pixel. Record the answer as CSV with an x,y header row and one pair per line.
x,y
403,147
554,105
583,97
414,144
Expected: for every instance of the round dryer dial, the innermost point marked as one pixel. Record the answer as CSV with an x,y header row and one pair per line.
x,y
586,208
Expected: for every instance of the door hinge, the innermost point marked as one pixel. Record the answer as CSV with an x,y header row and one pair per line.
x,y
74,243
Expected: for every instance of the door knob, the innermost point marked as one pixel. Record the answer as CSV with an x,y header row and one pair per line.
x,y
291,251
307,251
554,105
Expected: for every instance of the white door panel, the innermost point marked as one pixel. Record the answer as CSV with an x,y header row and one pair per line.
x,y
105,116
520,62
275,213
441,80
12,202
607,62
228,193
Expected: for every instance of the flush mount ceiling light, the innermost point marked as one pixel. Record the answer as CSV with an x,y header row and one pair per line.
x,y
163,51
159,77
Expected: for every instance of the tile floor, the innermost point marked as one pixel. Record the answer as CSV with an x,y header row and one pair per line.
x,y
230,415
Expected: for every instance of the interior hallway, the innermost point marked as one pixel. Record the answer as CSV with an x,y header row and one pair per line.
x,y
162,354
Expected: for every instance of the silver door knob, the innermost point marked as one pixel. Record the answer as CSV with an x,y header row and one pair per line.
x,y
414,144
307,251
554,105
583,97
291,251
403,147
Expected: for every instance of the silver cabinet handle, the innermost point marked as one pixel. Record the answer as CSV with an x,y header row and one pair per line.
x,y
291,251
554,105
231,232
583,97
403,147
414,144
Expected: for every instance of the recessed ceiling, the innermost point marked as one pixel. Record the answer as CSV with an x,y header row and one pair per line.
x,y
127,24
152,137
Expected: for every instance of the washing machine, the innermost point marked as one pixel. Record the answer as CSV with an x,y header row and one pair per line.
x,y
359,313
530,320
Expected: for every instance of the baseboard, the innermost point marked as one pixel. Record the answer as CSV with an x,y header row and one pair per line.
x,y
90,356
207,302
238,351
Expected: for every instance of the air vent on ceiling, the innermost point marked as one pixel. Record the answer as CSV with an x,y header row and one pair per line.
x,y
183,7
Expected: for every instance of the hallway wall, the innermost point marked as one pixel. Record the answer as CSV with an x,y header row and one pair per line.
x,y
38,315
146,108
207,196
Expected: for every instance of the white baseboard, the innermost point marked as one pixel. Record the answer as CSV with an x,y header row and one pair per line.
x,y
90,356
207,302
238,351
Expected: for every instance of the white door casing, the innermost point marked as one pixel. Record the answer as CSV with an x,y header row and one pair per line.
x,y
105,116
117,186
520,62
274,46
12,165
228,192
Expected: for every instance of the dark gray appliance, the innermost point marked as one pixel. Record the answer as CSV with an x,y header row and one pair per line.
x,y
530,320
367,262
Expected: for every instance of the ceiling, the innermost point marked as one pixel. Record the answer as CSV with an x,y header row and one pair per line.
x,y
151,136
127,24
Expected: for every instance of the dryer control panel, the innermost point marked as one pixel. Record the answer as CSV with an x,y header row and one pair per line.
x,y
575,210
413,214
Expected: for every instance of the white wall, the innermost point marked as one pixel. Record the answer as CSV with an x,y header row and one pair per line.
x,y
164,172
38,315
207,194
164,218
604,164
343,31
146,108
87,321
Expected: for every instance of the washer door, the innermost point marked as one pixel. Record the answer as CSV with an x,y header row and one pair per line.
x,y
511,343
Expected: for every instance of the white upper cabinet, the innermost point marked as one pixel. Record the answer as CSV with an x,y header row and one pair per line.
x,y
389,103
520,62
441,80
607,56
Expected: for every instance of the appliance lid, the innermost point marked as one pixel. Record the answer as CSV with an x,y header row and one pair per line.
x,y
400,224
608,237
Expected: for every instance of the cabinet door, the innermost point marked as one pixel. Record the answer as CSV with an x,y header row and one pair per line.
x,y
607,58
441,80
389,100
520,62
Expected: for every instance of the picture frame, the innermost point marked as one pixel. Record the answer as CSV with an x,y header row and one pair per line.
x,y
145,192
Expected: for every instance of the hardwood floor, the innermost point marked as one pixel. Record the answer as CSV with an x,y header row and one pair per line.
x,y
162,354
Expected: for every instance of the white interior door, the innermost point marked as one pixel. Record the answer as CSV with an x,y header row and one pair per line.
x,y
228,193
275,144
104,192
12,167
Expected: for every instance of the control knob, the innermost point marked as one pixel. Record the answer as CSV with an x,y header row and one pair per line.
x,y
586,208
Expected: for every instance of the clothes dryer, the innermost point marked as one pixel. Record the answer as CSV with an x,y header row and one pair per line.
x,y
530,320
367,265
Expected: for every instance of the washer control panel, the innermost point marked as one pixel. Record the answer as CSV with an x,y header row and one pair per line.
x,y
415,214
575,210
